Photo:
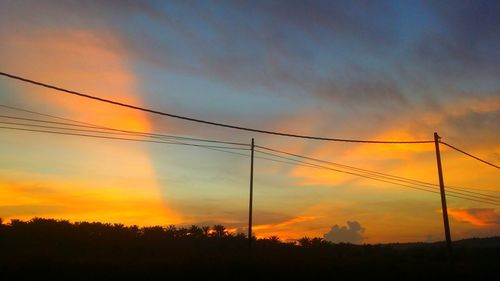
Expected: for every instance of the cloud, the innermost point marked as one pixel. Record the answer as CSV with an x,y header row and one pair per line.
x,y
250,44
483,217
353,91
292,227
352,233
339,69
465,44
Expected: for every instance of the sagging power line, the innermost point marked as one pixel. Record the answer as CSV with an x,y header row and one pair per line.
x,y
377,173
483,199
120,138
377,176
285,134
470,155
116,131
73,92
436,141
169,137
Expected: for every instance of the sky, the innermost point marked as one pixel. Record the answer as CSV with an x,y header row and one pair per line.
x,y
385,70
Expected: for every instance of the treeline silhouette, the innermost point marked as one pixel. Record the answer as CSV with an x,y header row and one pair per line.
x,y
58,249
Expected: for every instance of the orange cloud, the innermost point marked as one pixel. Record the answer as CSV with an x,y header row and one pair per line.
x,y
415,161
476,216
381,158
93,62
289,229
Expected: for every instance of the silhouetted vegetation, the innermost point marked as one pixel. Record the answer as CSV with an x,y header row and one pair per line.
x,y
58,249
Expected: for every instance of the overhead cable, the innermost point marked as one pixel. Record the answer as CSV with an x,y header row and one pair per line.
x,y
127,105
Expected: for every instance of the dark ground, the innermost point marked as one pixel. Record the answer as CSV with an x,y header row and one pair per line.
x,y
43,249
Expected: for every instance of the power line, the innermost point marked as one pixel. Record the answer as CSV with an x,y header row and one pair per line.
x,y
421,188
120,138
375,177
144,134
224,149
470,155
200,120
126,132
386,176
215,148
478,189
381,180
90,125
68,129
43,114
161,136
310,165
408,180
463,189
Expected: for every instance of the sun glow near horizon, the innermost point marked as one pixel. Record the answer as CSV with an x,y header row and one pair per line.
x,y
335,71
79,61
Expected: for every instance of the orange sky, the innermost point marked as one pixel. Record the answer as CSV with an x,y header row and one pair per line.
x,y
172,69
134,199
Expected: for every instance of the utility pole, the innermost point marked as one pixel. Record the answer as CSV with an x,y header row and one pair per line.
x,y
250,203
443,197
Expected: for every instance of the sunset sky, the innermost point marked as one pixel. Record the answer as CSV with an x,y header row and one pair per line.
x,y
385,70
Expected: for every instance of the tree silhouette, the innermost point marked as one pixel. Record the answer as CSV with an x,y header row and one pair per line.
x,y
153,232
305,241
195,231
170,231
274,239
29,247
219,231
206,230
181,232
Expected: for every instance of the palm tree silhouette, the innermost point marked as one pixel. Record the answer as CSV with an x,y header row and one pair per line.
x,y
170,231
195,231
206,230
219,230
305,242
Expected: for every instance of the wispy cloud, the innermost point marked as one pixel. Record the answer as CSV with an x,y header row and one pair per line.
x,y
483,217
354,69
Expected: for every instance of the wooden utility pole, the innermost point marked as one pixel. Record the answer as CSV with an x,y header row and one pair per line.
x,y
250,203
443,197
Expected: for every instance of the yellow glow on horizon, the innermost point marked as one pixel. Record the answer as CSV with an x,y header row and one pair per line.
x,y
117,181
94,63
